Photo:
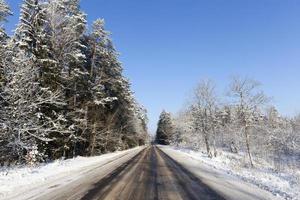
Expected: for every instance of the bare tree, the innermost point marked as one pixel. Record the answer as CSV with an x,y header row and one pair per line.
x,y
248,101
242,123
204,111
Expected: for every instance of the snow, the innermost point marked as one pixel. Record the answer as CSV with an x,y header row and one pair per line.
x,y
15,182
281,185
105,100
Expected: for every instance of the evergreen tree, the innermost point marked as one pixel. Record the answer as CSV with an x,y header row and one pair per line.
x,y
34,99
64,91
4,57
114,106
100,122
4,50
165,128
67,24
4,13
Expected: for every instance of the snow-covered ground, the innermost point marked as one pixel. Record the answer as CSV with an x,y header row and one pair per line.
x,y
26,181
228,166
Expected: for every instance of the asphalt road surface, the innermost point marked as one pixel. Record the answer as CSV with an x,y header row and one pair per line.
x,y
145,173
150,175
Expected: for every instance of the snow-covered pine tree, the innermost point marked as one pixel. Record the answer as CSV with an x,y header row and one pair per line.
x,y
67,24
134,132
127,112
141,121
4,13
32,92
100,121
113,117
4,57
63,87
165,129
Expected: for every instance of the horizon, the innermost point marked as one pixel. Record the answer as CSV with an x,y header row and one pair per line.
x,y
215,40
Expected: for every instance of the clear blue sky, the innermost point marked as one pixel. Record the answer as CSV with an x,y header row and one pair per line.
x,y
167,46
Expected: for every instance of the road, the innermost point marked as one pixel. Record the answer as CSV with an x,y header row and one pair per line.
x,y
144,173
150,175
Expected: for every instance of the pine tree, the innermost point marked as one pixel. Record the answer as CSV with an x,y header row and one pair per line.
x,y
114,115
4,57
140,125
64,91
4,13
34,99
100,120
164,129
66,25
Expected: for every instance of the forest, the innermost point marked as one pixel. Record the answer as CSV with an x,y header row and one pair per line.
x,y
243,121
62,88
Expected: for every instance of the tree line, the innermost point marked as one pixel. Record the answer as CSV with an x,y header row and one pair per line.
x,y
62,89
242,122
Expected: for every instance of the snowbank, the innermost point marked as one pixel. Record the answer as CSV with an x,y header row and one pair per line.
x,y
23,179
282,185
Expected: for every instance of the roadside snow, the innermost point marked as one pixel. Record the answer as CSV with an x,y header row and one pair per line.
x,y
282,185
22,179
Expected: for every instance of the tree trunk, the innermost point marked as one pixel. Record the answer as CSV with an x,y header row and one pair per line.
x,y
207,145
248,145
93,60
74,149
93,140
74,97
86,116
214,141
